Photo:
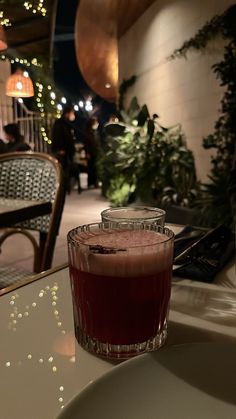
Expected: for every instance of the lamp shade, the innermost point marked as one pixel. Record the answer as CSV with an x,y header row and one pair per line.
x,y
19,84
3,42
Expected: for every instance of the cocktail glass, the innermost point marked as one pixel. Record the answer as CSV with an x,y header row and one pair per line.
x,y
121,284
141,214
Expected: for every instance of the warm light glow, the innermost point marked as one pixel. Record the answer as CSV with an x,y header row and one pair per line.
x,y
45,93
88,106
19,86
3,20
35,6
3,42
65,345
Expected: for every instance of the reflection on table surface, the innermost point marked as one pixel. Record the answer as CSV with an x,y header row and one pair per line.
x,y
42,366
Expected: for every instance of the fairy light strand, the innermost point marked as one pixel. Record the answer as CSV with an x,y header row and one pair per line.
x,y
3,20
35,7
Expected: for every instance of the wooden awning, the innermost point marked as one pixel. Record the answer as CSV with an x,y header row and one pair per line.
x,y
30,35
99,25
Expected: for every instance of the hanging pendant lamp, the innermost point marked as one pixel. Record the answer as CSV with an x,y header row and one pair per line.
x,y
19,84
3,42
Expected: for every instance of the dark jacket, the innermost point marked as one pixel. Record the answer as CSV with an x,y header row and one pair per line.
x,y
63,140
3,147
11,147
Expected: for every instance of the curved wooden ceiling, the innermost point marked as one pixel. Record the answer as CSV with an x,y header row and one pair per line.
x,y
99,24
30,35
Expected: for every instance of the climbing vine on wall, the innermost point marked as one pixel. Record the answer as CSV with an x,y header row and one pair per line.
x,y
214,202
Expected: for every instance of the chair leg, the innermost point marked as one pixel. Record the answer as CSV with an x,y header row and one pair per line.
x,y
37,262
47,250
42,243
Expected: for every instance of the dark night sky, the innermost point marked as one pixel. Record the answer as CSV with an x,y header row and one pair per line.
x,y
66,71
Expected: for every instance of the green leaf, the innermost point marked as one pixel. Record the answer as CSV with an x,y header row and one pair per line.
x,y
114,130
150,128
143,116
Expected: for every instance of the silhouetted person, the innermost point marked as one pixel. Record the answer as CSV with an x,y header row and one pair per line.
x,y
63,141
2,147
15,141
91,148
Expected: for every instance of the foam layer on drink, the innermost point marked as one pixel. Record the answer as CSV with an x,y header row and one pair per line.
x,y
126,239
126,253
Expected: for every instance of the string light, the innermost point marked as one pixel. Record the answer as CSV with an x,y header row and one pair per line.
x,y
36,6
45,96
3,20
34,62
88,105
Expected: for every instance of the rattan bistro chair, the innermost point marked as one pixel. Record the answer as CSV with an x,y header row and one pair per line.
x,y
32,176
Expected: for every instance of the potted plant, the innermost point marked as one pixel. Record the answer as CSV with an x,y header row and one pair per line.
x,y
145,161
217,197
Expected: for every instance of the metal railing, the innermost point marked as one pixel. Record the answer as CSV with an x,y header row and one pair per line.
x,y
5,109
31,124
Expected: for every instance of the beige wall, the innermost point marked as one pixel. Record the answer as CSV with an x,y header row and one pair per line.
x,y
180,91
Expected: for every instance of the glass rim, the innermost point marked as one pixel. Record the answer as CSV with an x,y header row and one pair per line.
x,y
138,208
115,225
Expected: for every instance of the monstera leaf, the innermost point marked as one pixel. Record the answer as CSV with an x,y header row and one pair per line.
x,y
143,116
146,160
114,130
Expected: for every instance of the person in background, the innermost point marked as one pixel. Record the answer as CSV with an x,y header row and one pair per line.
x,y
63,146
2,146
113,119
15,141
79,164
91,148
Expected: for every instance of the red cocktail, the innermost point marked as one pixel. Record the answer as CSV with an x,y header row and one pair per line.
x,y
121,282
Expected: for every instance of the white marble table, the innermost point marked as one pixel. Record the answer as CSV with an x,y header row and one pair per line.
x,y
42,367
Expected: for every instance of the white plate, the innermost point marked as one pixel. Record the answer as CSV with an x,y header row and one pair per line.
x,y
196,381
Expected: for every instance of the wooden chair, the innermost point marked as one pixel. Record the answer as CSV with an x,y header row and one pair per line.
x,y
36,176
